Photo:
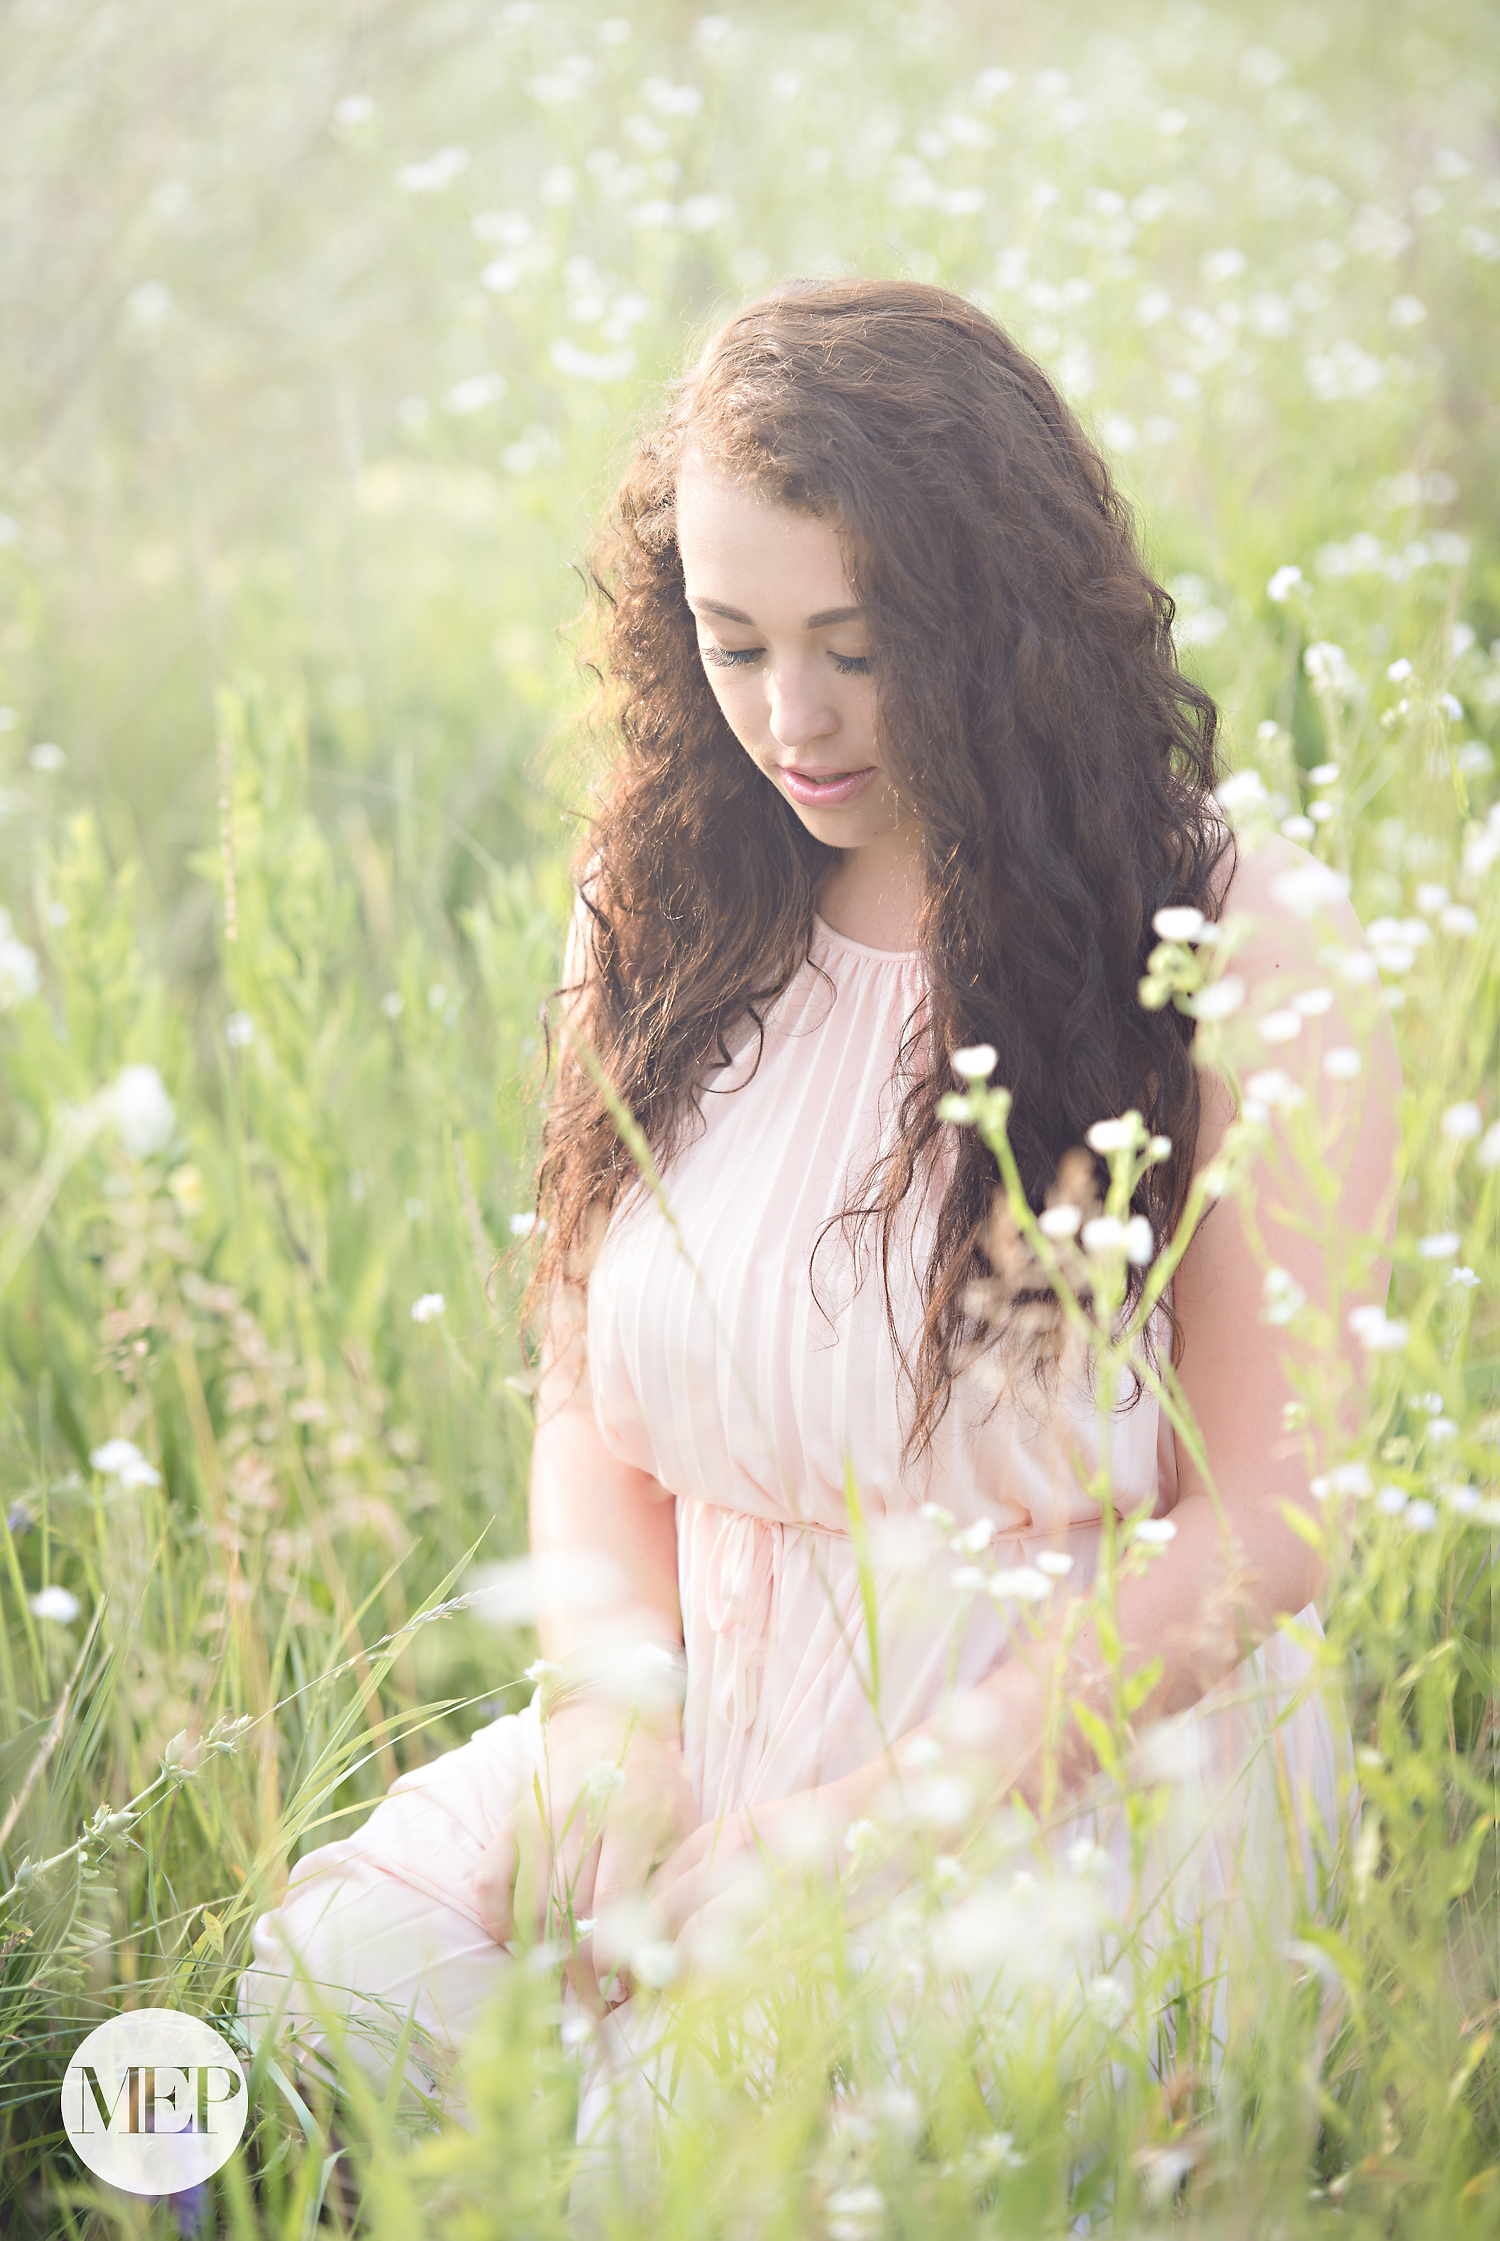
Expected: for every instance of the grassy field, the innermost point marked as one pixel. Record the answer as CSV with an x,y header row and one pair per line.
x,y
323,338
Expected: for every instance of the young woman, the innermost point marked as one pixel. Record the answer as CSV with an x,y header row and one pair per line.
x,y
903,764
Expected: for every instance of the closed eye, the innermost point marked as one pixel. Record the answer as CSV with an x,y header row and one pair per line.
x,y
725,657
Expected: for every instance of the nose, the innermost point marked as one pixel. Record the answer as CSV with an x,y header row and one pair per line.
x,y
799,712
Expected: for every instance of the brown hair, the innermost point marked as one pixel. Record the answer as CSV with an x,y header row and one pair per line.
x,y
1030,708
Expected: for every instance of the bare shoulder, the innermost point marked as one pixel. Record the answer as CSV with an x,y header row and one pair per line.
x,y
1294,930
1288,900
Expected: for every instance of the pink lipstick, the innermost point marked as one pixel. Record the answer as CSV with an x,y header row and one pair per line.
x,y
827,789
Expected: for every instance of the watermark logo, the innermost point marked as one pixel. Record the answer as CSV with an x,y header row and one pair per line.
x,y
154,2101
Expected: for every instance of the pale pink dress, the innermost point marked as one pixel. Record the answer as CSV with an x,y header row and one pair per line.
x,y
715,1368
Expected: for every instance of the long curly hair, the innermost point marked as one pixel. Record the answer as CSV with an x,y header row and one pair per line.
x,y
1031,712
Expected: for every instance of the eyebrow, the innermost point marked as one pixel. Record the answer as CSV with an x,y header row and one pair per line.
x,y
823,620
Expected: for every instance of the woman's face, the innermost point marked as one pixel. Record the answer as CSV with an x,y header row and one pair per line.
x,y
787,652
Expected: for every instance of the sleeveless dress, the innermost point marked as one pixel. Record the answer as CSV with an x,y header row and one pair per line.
x,y
756,1391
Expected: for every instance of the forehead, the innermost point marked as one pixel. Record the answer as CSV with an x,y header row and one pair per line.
x,y
744,550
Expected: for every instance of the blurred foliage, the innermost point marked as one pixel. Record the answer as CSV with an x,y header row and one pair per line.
x,y
324,336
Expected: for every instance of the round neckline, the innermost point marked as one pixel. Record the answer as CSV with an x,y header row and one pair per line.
x,y
864,949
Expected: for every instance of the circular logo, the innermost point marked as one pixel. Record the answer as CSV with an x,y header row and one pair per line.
x,y
154,2101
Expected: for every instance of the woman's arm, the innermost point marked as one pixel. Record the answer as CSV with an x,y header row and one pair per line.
x,y
604,1546
1235,1568
604,1536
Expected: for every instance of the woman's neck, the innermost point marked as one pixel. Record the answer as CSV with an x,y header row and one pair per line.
x,y
874,894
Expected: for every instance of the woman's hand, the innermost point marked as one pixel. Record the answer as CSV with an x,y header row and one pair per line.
x,y
615,1800
706,1876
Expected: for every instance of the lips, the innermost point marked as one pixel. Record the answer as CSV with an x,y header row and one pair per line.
x,y
830,789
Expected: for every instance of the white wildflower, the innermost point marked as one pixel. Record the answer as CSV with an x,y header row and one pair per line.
x,y
1376,1332
1034,1931
1400,671
1313,1002
56,1604
1458,920
1179,923
473,393
603,1780
1323,774
968,1580
1309,888
1462,1123
1022,1583
239,1030
1085,1857
1154,1531
1281,1296
1140,1241
1242,792
123,1461
1465,1278
1287,579
1327,668
141,1110
1218,1001
1054,1563
1109,2000
428,1308
1060,1221
1104,1234
1350,1478
976,1063
1442,1245
1280,1026
1391,1501
1274,1087
1342,1064
1115,1135
975,1538
921,1754
854,2212
525,1224
434,173
1488,1154
653,1962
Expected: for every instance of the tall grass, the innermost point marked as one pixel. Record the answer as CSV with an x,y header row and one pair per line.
x,y
320,341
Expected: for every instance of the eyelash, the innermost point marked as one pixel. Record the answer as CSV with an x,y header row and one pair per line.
x,y
721,657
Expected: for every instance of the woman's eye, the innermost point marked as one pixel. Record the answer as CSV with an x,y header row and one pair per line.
x,y
852,665
722,657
